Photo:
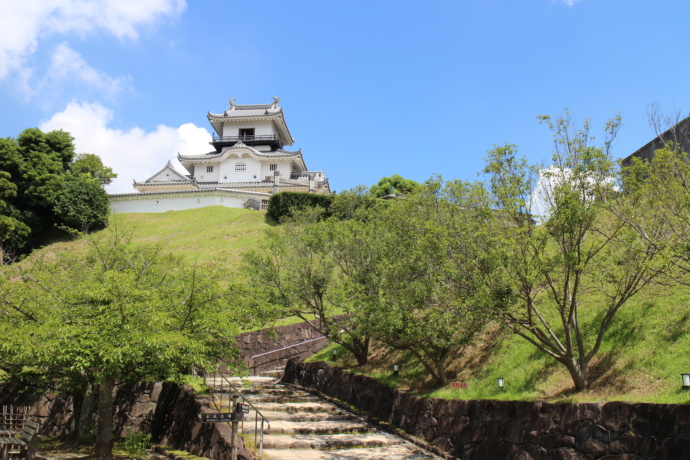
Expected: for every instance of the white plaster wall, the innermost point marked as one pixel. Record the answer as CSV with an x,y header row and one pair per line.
x,y
284,166
261,128
176,202
227,169
204,176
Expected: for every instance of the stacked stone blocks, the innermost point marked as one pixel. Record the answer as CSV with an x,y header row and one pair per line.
x,y
482,429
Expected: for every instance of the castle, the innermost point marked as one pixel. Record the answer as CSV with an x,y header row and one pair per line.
x,y
248,165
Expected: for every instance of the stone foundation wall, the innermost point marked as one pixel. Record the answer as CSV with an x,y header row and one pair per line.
x,y
167,411
487,429
265,340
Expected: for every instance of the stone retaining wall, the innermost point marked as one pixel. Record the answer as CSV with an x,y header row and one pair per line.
x,y
167,411
496,430
265,340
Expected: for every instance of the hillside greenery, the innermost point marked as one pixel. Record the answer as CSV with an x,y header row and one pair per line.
x,y
126,304
43,184
641,359
458,282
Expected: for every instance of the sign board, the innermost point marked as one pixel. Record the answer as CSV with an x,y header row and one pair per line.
x,y
224,417
243,408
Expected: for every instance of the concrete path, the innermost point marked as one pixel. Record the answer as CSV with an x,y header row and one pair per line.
x,y
305,427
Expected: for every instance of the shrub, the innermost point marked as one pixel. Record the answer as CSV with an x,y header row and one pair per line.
x,y
284,204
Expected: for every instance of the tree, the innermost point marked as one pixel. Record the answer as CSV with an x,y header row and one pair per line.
x,y
394,184
121,312
37,165
91,164
299,264
582,265
10,227
429,300
655,203
82,203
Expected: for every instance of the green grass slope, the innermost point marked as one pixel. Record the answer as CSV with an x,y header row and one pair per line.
x,y
641,360
203,235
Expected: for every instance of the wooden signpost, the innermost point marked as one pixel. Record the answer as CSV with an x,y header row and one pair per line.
x,y
233,417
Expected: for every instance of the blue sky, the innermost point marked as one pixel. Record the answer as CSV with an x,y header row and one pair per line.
x,y
369,88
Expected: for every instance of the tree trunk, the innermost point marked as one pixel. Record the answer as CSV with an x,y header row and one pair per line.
x,y
578,374
84,423
104,433
361,352
441,373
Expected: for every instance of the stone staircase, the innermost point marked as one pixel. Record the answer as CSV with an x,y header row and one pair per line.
x,y
306,427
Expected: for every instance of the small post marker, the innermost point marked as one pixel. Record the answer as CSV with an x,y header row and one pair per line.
x,y
501,382
396,370
686,381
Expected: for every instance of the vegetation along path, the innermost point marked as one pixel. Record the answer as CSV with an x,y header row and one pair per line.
x,y
304,426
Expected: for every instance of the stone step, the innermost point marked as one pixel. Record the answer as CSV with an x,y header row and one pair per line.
x,y
307,428
239,381
401,452
333,441
278,373
267,398
271,391
303,416
295,407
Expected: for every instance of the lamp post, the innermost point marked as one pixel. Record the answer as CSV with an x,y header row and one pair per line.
x,y
686,381
396,370
335,354
500,382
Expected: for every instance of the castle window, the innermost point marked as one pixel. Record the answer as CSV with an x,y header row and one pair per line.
x,y
247,134
273,167
209,168
240,167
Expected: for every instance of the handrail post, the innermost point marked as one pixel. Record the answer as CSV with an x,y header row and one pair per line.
x,y
261,442
233,445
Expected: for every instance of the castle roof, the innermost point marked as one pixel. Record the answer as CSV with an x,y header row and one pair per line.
x,y
228,151
236,112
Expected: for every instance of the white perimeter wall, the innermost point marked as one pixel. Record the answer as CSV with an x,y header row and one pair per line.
x,y
178,202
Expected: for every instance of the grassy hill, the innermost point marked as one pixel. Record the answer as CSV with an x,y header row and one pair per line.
x,y
642,358
207,234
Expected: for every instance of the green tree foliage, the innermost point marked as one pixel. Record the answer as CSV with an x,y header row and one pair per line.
x,y
37,165
394,184
91,164
299,264
562,282
430,298
122,312
284,205
386,268
82,203
655,202
10,227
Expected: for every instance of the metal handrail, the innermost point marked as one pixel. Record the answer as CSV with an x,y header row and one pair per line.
x,y
289,346
257,432
247,137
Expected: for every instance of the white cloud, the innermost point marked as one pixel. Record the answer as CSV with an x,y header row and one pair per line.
x,y
25,22
68,66
570,2
133,154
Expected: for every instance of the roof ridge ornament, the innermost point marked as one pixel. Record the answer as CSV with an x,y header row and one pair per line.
x,y
232,104
276,101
